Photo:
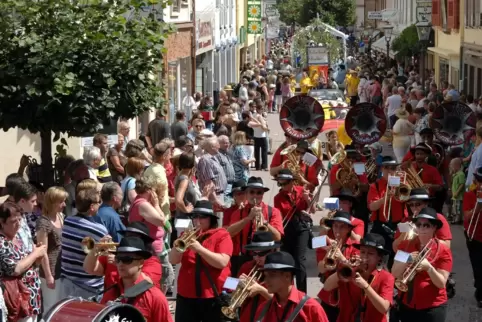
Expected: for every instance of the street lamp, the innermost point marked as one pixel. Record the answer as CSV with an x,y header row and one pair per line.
x,y
423,31
388,36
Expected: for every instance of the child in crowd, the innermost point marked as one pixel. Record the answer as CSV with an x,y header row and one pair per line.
x,y
458,184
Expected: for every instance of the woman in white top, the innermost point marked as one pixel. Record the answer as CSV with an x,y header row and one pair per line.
x,y
402,133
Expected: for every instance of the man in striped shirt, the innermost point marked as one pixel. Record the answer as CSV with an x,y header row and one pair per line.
x,y
75,281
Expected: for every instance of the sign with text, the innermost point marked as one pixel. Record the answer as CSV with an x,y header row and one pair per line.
x,y
271,10
375,15
317,56
204,33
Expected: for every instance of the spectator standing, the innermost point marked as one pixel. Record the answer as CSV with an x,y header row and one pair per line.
x,y
102,172
111,195
179,128
226,162
92,158
117,160
158,129
241,157
394,102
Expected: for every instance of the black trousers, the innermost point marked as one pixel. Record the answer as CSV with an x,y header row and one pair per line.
x,y
353,100
331,311
439,200
295,242
261,147
361,211
475,254
434,314
196,310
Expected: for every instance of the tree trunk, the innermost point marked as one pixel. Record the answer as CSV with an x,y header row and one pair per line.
x,y
46,157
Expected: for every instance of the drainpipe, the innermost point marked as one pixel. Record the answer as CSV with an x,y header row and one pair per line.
x,y
462,36
193,48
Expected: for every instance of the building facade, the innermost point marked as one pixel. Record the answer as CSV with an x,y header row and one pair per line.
x,y
471,49
241,37
205,28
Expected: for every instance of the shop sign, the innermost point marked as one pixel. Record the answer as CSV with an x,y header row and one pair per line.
x,y
204,33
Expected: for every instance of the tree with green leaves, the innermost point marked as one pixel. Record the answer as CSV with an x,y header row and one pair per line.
x,y
332,12
71,66
407,43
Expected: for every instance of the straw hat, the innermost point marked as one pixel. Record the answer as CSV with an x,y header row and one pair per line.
x,y
402,113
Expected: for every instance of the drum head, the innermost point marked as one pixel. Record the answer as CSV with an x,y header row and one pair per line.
x,y
302,117
453,123
118,312
365,123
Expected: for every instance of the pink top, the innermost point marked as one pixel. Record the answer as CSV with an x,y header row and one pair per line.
x,y
285,90
156,233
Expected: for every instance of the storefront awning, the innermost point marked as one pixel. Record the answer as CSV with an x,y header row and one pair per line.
x,y
447,53
380,45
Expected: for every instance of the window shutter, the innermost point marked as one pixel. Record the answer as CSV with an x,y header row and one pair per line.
x,y
450,14
436,21
456,14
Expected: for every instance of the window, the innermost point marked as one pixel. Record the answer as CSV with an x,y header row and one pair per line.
x,y
473,17
175,7
444,71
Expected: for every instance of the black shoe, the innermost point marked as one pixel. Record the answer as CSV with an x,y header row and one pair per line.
x,y
479,304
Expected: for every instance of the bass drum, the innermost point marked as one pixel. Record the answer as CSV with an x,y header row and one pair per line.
x,y
80,310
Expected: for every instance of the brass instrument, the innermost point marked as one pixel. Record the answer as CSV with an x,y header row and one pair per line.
x,y
471,237
347,269
241,294
413,178
330,258
186,239
371,170
412,233
259,223
101,248
329,216
411,270
400,193
293,163
345,175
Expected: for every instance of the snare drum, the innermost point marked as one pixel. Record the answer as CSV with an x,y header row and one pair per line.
x,y
80,310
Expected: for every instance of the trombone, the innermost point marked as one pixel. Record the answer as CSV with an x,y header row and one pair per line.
x,y
241,294
183,242
411,270
100,248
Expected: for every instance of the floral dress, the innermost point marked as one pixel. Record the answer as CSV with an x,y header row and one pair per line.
x,y
12,252
239,155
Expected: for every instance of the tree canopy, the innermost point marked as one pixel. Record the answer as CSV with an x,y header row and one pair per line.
x,y
332,12
407,43
69,66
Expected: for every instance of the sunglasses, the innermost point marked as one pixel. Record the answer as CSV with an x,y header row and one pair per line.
x,y
256,192
424,225
199,216
414,204
282,184
391,168
126,259
261,254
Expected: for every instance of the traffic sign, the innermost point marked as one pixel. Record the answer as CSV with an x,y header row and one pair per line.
x,y
375,15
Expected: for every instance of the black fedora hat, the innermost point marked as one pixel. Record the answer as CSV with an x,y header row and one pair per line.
x,y
262,240
350,148
426,130
478,174
285,174
303,144
340,216
133,245
279,261
203,208
431,215
389,161
373,240
237,186
423,147
255,183
140,228
346,194
419,194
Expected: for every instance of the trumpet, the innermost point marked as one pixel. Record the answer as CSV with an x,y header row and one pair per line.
x,y
100,249
259,222
331,255
347,269
183,242
241,294
411,270
412,232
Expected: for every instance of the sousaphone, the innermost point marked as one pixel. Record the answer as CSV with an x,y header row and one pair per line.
x,y
302,117
365,123
453,123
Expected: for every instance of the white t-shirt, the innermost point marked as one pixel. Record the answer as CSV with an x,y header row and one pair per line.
x,y
420,103
269,64
258,132
394,102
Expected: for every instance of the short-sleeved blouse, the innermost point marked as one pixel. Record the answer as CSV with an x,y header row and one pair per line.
x,y
54,236
240,155
12,252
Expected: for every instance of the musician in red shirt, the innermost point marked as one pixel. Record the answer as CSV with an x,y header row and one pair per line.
x,y
261,245
105,265
348,203
287,304
352,156
472,208
204,267
279,161
368,295
385,220
242,224
418,200
426,296
341,227
129,258
293,202
239,199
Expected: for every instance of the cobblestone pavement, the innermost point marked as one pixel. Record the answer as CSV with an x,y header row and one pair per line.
x,y
462,308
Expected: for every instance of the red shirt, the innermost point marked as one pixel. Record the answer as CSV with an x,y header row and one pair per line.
x,y
409,156
443,233
425,294
247,307
470,201
376,192
352,298
277,157
348,251
218,241
363,178
228,213
311,311
430,175
152,303
285,201
241,239
358,226
152,268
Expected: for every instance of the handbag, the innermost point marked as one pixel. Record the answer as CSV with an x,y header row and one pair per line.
x,y
17,298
